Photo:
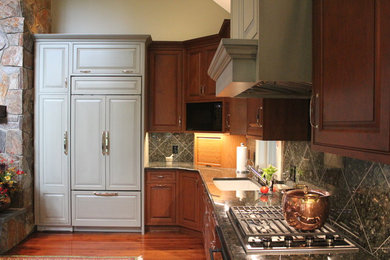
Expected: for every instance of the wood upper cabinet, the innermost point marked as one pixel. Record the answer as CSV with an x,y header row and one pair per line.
x,y
165,87
199,85
189,200
278,119
351,78
236,115
160,203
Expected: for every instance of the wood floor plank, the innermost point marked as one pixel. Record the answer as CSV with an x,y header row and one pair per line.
x,y
166,245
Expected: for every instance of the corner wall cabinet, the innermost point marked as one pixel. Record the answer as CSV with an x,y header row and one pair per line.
x,y
351,83
89,132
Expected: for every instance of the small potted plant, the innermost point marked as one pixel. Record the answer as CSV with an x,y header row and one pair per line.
x,y
9,178
268,174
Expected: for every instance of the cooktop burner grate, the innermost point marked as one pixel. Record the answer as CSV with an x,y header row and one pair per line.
x,y
264,230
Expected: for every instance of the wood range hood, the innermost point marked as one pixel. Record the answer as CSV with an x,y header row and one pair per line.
x,y
276,65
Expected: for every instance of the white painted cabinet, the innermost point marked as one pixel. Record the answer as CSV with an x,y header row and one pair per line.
x,y
108,209
110,58
107,85
106,142
52,192
52,68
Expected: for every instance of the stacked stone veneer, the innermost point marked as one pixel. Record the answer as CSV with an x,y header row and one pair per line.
x,y
19,19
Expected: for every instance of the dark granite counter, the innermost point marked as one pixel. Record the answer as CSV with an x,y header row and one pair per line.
x,y
222,200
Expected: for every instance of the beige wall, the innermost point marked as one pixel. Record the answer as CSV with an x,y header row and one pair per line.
x,y
163,19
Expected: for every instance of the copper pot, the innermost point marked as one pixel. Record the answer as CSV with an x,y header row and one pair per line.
x,y
305,209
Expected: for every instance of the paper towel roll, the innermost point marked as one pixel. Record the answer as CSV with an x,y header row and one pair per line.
x,y
242,157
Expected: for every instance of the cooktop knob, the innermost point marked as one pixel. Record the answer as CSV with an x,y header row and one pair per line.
x,y
288,240
267,242
309,240
330,240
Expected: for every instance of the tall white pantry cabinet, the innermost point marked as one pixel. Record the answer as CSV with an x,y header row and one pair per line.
x,y
89,132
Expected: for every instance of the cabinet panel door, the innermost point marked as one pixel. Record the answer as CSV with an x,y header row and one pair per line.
x,y
351,83
53,67
194,80
166,85
209,83
160,204
255,117
53,206
116,209
106,58
88,125
106,85
189,200
123,160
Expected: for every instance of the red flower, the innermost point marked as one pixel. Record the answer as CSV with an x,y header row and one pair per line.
x,y
12,161
1,188
19,172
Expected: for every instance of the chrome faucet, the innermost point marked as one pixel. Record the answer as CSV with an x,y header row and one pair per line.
x,y
261,179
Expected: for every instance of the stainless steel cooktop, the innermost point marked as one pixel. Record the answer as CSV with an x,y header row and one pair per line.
x,y
264,230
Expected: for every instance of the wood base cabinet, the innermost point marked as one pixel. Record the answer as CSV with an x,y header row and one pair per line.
x,y
351,78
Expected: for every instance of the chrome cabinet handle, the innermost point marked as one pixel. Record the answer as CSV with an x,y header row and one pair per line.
x,y
258,116
180,121
85,71
161,186
228,120
104,143
160,176
106,194
66,82
107,142
127,71
66,143
311,111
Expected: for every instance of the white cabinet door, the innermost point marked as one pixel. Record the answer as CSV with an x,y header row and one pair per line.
x,y
123,162
52,67
88,126
109,209
52,193
106,58
106,85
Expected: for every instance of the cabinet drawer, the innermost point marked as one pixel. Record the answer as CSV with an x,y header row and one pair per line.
x,y
106,85
106,209
106,58
160,176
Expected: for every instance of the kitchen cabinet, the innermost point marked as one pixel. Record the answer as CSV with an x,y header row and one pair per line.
x,y
52,70
88,131
104,155
52,202
160,201
199,85
278,119
244,19
189,200
165,87
110,58
236,116
351,85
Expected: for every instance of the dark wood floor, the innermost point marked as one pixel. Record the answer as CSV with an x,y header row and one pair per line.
x,y
151,245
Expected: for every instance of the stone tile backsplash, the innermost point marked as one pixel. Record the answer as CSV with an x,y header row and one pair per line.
x,y
360,200
160,146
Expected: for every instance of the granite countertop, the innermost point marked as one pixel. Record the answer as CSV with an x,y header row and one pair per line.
x,y
222,200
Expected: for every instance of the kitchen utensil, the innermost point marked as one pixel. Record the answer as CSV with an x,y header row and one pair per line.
x,y
305,209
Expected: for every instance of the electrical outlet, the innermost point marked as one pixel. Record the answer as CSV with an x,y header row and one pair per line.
x,y
175,149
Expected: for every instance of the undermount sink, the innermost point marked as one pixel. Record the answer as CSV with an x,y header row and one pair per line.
x,y
235,184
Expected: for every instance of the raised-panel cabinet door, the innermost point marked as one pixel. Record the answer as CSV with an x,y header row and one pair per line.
x,y
53,206
351,82
255,117
88,139
53,67
166,86
160,204
209,83
189,200
194,86
123,133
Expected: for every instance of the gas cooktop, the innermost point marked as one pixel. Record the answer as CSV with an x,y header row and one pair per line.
x,y
264,230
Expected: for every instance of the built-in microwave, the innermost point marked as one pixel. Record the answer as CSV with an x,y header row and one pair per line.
x,y
204,116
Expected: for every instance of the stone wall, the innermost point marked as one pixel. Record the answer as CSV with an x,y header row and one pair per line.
x,y
19,19
360,200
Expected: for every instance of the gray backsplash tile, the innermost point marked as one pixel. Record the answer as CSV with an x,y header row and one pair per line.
x,y
360,200
160,146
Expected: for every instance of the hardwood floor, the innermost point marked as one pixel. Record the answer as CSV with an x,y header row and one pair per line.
x,y
150,246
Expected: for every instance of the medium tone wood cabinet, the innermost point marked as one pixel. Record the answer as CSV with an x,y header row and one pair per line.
x,y
160,198
199,85
165,109
351,84
278,119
